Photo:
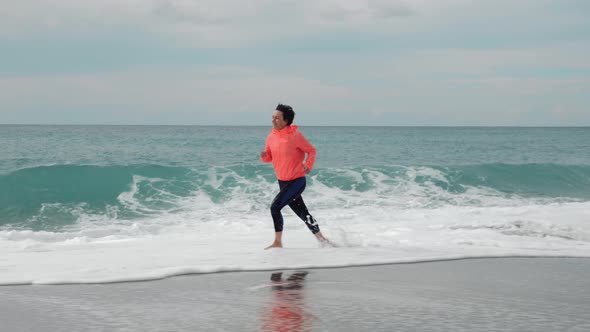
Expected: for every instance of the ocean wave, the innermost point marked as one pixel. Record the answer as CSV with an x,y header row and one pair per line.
x,y
52,197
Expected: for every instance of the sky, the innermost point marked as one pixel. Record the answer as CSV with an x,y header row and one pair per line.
x,y
336,62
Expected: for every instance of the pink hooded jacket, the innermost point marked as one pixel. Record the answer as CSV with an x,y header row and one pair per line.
x,y
286,149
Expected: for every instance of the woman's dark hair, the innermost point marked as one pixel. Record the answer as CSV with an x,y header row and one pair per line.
x,y
288,113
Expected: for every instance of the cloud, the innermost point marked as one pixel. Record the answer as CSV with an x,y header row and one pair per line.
x,y
168,87
232,23
229,21
390,9
438,60
20,19
237,23
204,12
359,11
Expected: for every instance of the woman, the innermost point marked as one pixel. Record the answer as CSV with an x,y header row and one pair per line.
x,y
286,149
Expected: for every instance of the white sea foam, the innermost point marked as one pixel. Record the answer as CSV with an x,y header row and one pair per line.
x,y
391,222
190,242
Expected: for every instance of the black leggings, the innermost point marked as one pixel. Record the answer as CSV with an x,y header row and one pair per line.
x,y
291,194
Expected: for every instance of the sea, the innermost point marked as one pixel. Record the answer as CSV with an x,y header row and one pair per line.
x,y
100,204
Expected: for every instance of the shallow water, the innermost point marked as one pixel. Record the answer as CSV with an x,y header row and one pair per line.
x,y
467,295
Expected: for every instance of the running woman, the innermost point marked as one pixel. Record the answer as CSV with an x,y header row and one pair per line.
x,y
286,149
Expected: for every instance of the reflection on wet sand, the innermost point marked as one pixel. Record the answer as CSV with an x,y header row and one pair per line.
x,y
286,310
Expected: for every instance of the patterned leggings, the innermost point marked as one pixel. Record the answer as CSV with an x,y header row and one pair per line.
x,y
290,194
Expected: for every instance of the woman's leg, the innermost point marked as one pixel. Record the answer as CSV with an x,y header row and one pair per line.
x,y
298,206
289,191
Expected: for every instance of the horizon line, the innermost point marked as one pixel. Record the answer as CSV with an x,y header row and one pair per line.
x,y
237,125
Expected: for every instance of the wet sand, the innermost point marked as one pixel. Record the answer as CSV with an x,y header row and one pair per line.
x,y
504,294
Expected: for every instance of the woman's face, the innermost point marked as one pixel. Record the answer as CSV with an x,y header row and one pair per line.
x,y
278,122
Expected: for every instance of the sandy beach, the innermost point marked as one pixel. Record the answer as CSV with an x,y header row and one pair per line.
x,y
507,294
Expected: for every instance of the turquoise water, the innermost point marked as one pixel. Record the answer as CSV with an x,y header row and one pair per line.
x,y
83,204
54,177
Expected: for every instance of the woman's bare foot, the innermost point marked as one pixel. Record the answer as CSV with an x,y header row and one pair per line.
x,y
278,242
320,237
275,245
323,241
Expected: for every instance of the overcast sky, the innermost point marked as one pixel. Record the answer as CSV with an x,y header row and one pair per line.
x,y
337,62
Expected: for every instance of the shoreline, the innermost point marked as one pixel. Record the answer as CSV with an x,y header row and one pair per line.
x,y
221,271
